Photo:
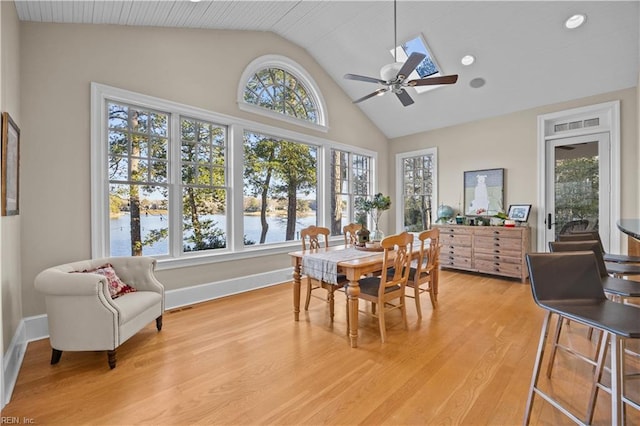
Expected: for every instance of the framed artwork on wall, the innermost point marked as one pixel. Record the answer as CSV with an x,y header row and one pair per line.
x,y
10,165
483,192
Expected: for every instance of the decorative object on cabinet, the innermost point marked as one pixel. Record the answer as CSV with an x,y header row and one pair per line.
x,y
10,166
378,204
487,249
483,192
519,212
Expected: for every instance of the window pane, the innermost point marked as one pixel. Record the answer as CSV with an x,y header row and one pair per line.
x,y
138,220
204,219
277,90
417,192
280,182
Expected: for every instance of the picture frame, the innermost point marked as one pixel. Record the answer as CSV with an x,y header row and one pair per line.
x,y
519,212
483,192
10,166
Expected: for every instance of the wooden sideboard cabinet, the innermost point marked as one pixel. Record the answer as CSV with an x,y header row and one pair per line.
x,y
494,250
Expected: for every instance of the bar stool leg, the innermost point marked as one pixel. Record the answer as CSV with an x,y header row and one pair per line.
x,y
617,382
554,346
603,344
536,368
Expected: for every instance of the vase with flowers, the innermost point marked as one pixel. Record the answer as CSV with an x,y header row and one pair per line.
x,y
375,206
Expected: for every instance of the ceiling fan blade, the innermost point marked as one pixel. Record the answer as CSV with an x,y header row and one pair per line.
x,y
412,62
444,79
364,78
404,97
370,95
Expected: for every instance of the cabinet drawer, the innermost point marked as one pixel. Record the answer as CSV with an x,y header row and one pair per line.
x,y
457,240
495,231
511,269
447,261
500,258
455,250
498,243
454,230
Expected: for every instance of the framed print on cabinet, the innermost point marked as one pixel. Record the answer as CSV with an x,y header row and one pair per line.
x,y
10,165
483,192
519,212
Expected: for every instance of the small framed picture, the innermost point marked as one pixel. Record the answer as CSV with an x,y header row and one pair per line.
x,y
519,212
10,165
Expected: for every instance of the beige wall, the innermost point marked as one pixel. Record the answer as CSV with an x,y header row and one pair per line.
x,y
195,67
510,142
10,234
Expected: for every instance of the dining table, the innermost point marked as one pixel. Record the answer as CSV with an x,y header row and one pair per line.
x,y
326,263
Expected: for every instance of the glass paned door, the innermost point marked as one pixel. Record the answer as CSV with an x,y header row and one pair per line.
x,y
577,186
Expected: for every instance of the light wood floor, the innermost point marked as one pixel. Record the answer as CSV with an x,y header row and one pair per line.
x,y
242,360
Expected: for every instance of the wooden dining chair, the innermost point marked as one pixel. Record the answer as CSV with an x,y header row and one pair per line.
x,y
350,236
424,272
386,288
315,237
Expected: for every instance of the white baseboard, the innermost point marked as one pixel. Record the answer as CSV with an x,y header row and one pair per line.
x,y
36,327
12,361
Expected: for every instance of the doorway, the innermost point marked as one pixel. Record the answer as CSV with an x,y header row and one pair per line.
x,y
579,173
577,186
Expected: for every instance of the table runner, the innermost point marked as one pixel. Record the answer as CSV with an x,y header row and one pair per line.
x,y
324,265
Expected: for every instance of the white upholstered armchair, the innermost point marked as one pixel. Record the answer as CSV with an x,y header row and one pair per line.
x,y
81,312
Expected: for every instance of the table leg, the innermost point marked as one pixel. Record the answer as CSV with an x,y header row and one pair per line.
x,y
353,291
296,289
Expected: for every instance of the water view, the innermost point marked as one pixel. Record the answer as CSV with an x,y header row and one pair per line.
x,y
121,231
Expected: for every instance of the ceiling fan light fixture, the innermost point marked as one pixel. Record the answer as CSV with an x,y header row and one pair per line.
x,y
390,71
575,21
467,60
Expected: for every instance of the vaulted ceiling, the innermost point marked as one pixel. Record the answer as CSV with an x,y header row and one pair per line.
x,y
524,54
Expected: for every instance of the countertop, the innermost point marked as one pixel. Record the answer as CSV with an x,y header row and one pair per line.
x,y
630,227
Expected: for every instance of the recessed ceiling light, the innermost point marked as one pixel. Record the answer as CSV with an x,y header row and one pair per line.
x,y
575,21
477,83
467,60
194,1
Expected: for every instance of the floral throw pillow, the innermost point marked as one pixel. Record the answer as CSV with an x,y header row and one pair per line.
x,y
116,287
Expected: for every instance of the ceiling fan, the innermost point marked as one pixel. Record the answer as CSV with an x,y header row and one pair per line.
x,y
394,76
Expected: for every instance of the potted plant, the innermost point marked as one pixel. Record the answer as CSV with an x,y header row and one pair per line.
x,y
375,206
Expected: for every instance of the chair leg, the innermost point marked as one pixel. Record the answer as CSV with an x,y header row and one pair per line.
x,y
159,323
306,303
403,309
111,358
603,342
383,327
416,296
55,356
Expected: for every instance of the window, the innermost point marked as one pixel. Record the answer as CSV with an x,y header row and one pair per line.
x,y
427,68
350,180
280,88
190,186
280,187
204,185
417,180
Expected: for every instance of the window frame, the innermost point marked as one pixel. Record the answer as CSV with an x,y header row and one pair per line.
x,y
293,68
235,249
400,157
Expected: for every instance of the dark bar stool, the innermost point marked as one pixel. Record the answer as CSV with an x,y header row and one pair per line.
x,y
569,284
595,235
616,288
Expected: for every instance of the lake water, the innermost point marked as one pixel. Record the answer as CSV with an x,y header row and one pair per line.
x,y
120,231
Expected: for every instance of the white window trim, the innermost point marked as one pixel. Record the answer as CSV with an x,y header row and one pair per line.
x,y
400,157
295,69
235,127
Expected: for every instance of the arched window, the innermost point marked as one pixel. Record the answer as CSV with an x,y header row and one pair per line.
x,y
278,87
